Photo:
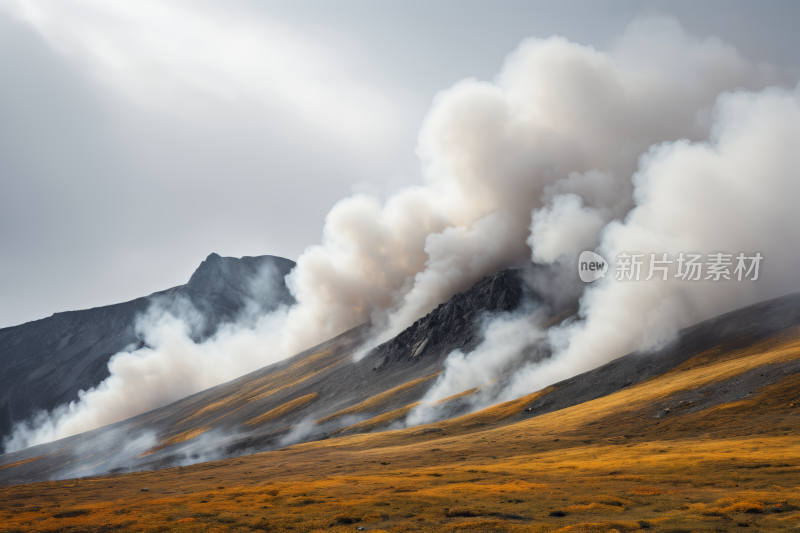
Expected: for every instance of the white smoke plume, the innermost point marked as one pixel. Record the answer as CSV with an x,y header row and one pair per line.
x,y
539,163
118,446
560,119
733,193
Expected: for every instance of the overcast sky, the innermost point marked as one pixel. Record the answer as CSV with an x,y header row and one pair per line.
x,y
138,136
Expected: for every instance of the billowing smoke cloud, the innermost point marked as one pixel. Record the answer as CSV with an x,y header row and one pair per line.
x,y
538,164
733,193
560,119
687,197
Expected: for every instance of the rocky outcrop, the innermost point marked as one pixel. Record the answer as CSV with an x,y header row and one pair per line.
x,y
457,323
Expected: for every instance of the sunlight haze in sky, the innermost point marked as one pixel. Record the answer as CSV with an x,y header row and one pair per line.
x,y
139,136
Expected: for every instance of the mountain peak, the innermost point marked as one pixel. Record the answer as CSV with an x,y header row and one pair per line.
x,y
222,286
46,362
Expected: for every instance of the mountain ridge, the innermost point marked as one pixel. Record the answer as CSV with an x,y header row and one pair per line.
x,y
47,361
338,381
322,394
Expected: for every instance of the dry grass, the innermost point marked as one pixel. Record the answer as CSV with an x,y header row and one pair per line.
x,y
602,466
208,411
283,409
379,421
9,465
377,401
601,527
738,507
180,437
464,394
647,491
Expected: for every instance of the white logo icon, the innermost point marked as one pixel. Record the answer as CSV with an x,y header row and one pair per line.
x,y
591,266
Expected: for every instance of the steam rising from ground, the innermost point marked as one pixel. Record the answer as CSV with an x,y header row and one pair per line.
x,y
539,164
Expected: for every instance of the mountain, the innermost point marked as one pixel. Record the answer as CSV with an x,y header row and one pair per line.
x,y
324,394
46,362
701,435
258,410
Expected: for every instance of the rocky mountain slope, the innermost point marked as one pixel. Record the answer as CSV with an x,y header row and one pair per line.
x,y
601,466
613,463
46,362
322,394
316,392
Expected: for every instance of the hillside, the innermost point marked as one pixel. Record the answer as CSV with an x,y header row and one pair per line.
x,y
305,397
46,362
322,394
710,444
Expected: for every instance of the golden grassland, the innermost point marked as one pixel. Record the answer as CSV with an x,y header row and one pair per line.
x,y
601,466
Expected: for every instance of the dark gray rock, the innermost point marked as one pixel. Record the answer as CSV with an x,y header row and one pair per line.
x,y
456,324
222,287
731,390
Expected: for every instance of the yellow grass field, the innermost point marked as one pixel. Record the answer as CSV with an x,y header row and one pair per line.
x,y
602,466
